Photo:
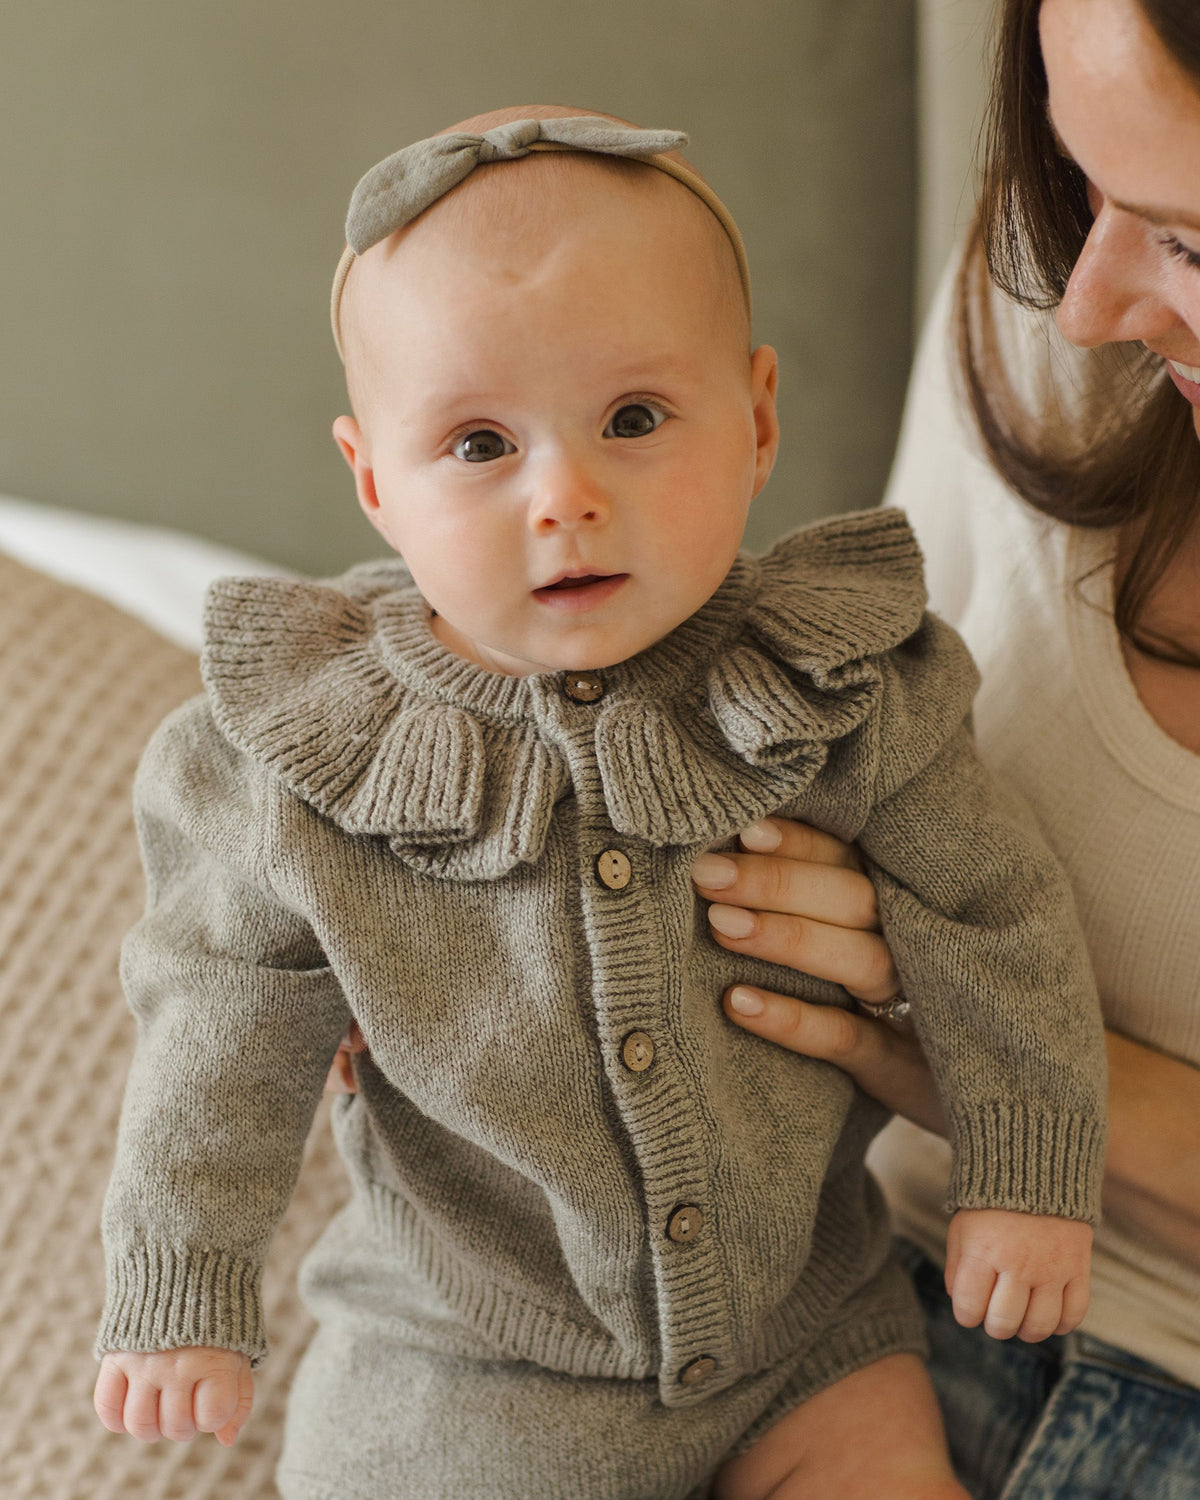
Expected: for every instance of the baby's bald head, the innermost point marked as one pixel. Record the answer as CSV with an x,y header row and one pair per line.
x,y
511,217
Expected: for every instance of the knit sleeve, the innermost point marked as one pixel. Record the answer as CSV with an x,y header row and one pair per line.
x,y
238,1017
981,924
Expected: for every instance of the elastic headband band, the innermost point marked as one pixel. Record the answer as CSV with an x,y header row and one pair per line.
x,y
406,183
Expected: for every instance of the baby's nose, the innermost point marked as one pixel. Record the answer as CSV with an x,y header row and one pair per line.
x,y
569,496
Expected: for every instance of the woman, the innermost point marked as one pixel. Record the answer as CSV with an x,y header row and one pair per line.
x,y
1083,608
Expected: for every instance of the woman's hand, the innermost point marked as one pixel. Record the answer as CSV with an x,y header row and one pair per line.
x,y
341,1079
798,897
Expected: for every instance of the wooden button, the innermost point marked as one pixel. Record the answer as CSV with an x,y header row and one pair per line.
x,y
637,1051
698,1371
584,687
684,1224
614,870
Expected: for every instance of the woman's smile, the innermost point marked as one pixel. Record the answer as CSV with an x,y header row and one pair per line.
x,y
1187,380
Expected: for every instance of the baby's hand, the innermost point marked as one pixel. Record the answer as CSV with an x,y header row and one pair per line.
x,y
175,1393
1026,1274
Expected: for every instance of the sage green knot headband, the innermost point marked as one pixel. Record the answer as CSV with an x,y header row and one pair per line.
x,y
406,183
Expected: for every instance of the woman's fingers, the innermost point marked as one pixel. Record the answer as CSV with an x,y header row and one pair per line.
x,y
341,1079
859,961
787,840
821,1031
827,893
885,1061
798,898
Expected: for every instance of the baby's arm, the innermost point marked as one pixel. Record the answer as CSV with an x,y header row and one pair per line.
x,y
981,925
1026,1274
238,1017
175,1393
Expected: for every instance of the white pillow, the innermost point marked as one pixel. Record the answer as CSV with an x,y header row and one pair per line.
x,y
157,575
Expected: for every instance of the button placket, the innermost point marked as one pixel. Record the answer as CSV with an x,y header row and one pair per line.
x,y
694,1315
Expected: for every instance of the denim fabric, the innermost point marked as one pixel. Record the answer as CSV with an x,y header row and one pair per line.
x,y
1067,1419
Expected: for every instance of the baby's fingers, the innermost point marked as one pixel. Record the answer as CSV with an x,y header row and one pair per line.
x,y
126,1404
1051,1309
1043,1316
175,1418
109,1396
1074,1304
222,1403
1008,1306
141,1411
971,1291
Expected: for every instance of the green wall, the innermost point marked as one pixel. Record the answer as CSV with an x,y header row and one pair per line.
x,y
174,178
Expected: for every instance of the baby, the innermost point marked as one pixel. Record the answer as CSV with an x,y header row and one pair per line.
x,y
602,1242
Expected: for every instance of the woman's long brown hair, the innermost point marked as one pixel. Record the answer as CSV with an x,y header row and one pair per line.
x,y
1128,456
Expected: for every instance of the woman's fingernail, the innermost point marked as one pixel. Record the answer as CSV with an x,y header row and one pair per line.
x,y
731,921
746,1002
762,837
713,872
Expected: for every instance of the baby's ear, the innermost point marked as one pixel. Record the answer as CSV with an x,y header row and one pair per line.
x,y
349,437
764,382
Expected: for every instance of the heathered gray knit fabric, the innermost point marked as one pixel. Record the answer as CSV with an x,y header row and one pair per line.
x,y
356,822
450,1420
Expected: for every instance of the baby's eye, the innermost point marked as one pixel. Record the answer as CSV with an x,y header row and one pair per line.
x,y
634,421
481,446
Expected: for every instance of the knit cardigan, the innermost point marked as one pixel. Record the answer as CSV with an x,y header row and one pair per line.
x,y
354,822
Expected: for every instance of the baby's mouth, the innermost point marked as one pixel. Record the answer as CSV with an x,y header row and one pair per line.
x,y
580,590
578,583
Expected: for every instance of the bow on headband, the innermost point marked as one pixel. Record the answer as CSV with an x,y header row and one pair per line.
x,y
406,183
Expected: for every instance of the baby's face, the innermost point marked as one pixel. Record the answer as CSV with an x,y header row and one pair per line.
x,y
561,429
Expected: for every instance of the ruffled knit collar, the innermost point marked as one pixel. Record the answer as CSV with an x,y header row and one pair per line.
x,y
345,695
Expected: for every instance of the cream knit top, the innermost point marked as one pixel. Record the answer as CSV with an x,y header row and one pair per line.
x,y
492,874
1119,801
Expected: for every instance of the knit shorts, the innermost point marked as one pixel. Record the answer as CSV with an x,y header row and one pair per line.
x,y
377,1415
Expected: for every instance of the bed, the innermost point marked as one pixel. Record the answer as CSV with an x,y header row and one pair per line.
x,y
99,623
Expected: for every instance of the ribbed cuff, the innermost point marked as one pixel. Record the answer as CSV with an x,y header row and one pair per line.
x,y
168,1297
1033,1161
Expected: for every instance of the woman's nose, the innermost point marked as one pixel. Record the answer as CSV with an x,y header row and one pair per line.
x,y
568,496
1114,293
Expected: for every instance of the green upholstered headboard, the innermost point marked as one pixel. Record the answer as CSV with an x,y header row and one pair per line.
x,y
173,180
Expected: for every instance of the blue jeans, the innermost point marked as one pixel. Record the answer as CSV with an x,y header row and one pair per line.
x,y
1068,1419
